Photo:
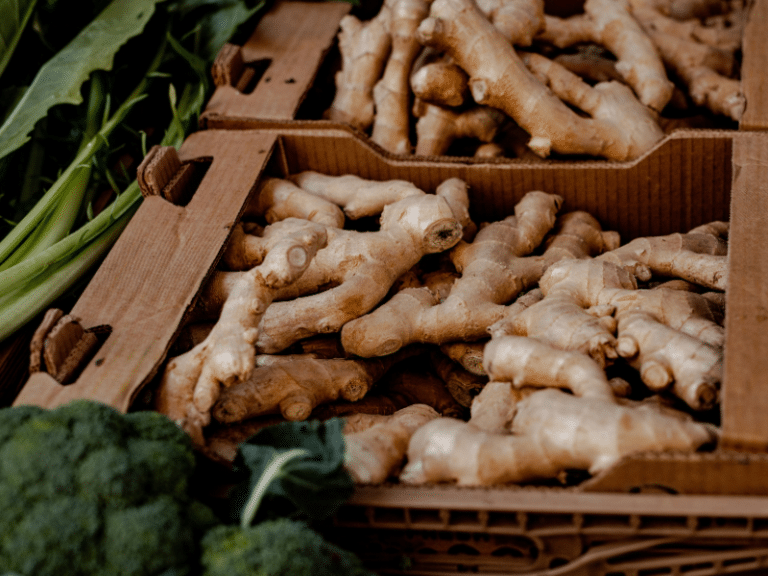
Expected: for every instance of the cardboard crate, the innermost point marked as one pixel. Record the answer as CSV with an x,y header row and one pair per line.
x,y
704,513
270,106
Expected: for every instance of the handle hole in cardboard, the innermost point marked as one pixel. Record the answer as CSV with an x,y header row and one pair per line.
x,y
252,74
181,190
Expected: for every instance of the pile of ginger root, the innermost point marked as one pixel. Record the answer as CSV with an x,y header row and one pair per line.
x,y
510,351
502,78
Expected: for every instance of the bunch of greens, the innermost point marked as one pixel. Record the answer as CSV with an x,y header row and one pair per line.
x,y
85,87
290,475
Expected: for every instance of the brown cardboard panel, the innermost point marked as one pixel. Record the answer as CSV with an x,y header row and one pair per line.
x,y
745,391
153,273
226,109
682,183
753,76
295,37
721,472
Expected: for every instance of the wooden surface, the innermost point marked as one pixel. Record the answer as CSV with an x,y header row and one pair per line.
x,y
294,37
745,387
155,270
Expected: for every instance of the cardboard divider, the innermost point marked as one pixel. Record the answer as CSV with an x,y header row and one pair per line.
x,y
753,78
294,37
152,275
229,110
704,510
744,395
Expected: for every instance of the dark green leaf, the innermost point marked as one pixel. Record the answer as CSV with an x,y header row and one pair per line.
x,y
14,15
315,485
92,49
219,26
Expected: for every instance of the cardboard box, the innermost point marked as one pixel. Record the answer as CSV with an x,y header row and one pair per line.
x,y
228,108
650,514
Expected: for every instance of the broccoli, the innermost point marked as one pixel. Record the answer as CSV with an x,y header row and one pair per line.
x,y
280,547
87,490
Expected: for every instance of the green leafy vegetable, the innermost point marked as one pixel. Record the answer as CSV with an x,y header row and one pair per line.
x,y
293,467
86,490
118,22
14,15
56,241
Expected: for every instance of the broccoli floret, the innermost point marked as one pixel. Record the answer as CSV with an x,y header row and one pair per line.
x,y
279,547
87,490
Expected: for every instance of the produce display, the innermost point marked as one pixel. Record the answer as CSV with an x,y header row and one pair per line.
x,y
86,490
629,336
363,332
606,82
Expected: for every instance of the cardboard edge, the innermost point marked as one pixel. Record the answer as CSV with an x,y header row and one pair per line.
x,y
753,78
743,397
215,121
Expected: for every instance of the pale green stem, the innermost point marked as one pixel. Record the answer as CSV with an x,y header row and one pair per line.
x,y
84,157
32,298
273,469
35,265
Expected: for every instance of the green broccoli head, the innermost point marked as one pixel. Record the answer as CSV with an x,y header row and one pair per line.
x,y
84,484
279,547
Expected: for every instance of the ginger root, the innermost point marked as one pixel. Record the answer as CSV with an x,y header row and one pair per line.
x,y
357,268
437,127
551,432
376,453
278,199
489,280
528,362
396,391
364,48
610,23
295,388
442,83
621,128
357,196
192,382
699,257
392,94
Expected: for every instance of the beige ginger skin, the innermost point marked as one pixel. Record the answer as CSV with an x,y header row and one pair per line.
x,y
394,392
621,128
701,56
437,127
611,24
551,431
294,388
364,48
357,268
377,452
671,336
494,270
441,83
414,314
392,93
357,196
700,257
192,382
278,199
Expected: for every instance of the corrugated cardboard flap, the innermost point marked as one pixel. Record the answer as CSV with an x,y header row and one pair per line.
x,y
152,275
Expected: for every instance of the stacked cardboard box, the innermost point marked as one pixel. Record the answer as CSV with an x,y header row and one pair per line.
x,y
651,513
